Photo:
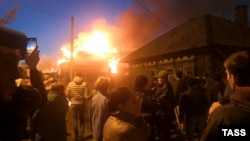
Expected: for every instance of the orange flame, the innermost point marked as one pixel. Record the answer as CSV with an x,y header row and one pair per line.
x,y
96,43
66,53
113,65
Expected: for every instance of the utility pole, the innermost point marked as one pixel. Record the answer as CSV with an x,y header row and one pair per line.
x,y
72,49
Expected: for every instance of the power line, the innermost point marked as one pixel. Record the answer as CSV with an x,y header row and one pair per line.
x,y
161,21
156,17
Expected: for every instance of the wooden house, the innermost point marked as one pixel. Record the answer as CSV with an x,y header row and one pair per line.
x,y
199,45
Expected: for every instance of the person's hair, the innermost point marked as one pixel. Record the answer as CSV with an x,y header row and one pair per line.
x,y
118,96
78,74
141,81
179,74
58,87
163,74
206,74
217,76
238,64
102,84
188,72
192,82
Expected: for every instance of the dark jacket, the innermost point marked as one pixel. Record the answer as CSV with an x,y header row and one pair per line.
x,y
122,126
25,102
147,100
214,90
179,87
163,100
14,115
37,82
48,123
192,103
235,113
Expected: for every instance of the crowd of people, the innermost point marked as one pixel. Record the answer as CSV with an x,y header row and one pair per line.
x,y
193,106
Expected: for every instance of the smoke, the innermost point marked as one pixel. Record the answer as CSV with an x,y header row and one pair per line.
x,y
47,62
9,16
145,20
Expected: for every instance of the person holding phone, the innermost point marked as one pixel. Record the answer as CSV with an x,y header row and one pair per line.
x,y
236,114
31,45
16,103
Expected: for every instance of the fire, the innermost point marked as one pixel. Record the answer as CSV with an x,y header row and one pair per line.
x,y
96,43
113,65
65,55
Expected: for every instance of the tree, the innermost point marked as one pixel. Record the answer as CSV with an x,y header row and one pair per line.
x,y
9,16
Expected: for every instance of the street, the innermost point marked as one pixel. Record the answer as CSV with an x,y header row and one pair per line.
x,y
87,134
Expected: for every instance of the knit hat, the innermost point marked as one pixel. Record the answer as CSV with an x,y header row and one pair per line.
x,y
13,39
162,74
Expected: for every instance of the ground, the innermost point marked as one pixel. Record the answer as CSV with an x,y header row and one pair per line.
x,y
87,134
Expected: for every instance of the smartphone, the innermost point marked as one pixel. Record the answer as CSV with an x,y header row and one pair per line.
x,y
31,45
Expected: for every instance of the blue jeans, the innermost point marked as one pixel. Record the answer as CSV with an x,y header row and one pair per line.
x,y
78,111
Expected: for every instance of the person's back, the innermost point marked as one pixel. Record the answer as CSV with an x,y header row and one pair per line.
x,y
215,89
193,110
76,90
48,122
237,113
179,87
141,90
77,93
196,103
13,116
147,100
98,107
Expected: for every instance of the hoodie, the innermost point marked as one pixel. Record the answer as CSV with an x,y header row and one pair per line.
x,y
77,91
52,127
235,113
241,98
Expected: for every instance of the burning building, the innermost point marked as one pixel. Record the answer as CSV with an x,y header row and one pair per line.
x,y
198,45
92,56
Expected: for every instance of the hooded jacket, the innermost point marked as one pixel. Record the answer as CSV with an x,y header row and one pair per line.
x,y
48,123
77,91
235,113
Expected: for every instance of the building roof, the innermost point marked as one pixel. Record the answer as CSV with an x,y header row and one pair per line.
x,y
194,36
